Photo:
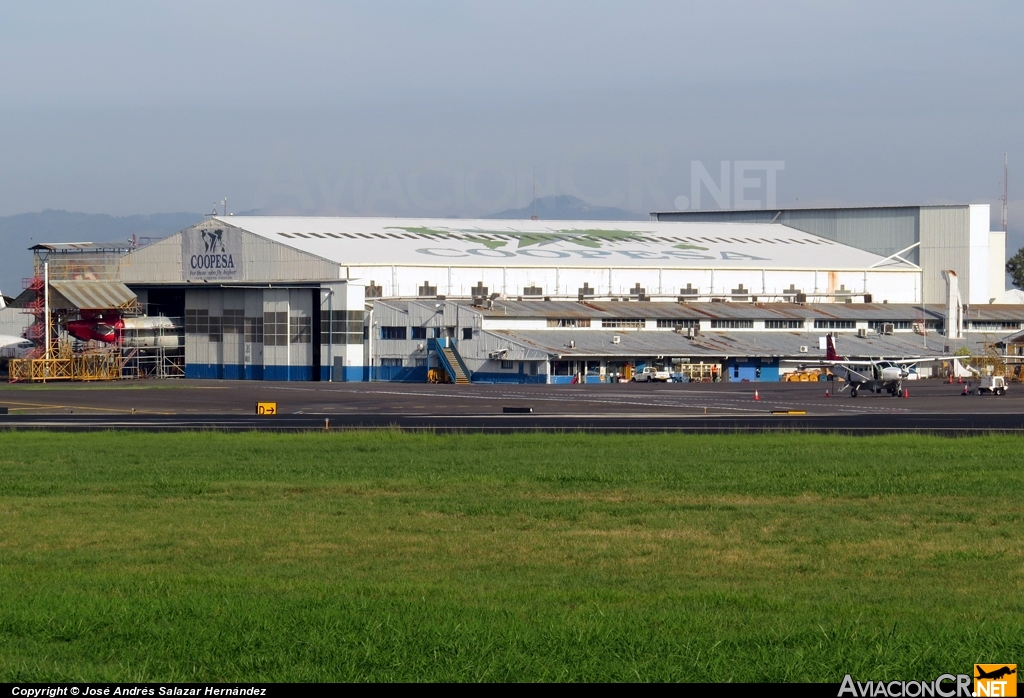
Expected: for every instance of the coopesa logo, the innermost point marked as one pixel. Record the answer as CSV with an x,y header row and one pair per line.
x,y
215,254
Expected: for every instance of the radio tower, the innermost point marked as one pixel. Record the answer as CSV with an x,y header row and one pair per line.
x,y
1006,189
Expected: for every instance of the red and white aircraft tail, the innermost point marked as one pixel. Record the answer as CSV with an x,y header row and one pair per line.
x,y
830,349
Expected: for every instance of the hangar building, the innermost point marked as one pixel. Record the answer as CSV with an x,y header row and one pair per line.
x,y
935,238
308,298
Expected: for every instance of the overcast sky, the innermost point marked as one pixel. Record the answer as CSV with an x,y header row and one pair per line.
x,y
459,108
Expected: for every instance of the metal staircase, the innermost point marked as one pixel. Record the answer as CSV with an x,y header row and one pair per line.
x,y
450,359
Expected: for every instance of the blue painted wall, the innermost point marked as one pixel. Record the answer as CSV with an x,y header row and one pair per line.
x,y
354,373
229,371
748,370
516,378
294,373
402,374
288,373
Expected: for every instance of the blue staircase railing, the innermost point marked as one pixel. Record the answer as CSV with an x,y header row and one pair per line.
x,y
436,345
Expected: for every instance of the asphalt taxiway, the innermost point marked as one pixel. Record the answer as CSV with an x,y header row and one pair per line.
x,y
933,406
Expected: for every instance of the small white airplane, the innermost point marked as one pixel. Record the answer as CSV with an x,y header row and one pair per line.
x,y
873,375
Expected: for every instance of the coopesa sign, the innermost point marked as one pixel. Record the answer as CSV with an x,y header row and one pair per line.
x,y
211,253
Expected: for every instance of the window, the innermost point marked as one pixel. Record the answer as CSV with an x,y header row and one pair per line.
x,y
419,362
834,324
254,330
216,333
732,324
275,329
624,323
568,322
467,333
994,325
561,368
341,326
896,324
392,333
397,363
507,365
419,332
233,322
300,330
197,321
783,324
678,324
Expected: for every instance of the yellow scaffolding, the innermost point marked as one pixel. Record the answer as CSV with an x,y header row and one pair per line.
x,y
94,366
699,372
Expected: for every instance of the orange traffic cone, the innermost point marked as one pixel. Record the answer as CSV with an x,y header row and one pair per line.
x,y
950,377
756,396
965,390
906,392
959,379
827,393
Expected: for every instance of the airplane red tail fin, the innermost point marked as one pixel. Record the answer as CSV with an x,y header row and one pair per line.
x,y
830,352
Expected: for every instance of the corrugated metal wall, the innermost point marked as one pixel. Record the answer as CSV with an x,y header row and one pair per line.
x,y
156,263
227,344
264,261
882,230
271,261
945,244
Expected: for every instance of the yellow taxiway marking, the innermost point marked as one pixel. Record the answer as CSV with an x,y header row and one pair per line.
x,y
77,407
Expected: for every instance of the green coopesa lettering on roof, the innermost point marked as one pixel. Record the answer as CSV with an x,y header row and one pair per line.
x,y
594,238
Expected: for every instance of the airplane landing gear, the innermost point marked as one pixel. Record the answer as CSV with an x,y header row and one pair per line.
x,y
853,392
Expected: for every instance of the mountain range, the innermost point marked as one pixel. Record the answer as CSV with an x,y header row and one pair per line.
x,y
568,208
18,233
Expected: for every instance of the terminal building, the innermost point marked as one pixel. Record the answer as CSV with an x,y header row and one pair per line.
x,y
351,299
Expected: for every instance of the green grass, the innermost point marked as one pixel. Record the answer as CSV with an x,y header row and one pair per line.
x,y
391,556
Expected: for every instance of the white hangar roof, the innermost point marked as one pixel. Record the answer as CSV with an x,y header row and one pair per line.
x,y
528,243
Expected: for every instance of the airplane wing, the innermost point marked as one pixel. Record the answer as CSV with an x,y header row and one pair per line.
x,y
822,363
877,359
919,359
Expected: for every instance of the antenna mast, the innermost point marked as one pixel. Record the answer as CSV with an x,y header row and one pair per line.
x,y
533,204
1006,187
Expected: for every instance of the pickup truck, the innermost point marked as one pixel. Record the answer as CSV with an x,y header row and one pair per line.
x,y
650,373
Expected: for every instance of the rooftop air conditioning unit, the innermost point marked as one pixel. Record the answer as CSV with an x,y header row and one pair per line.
x,y
888,327
803,349
615,339
862,332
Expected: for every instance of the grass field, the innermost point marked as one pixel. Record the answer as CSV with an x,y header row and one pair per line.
x,y
390,556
